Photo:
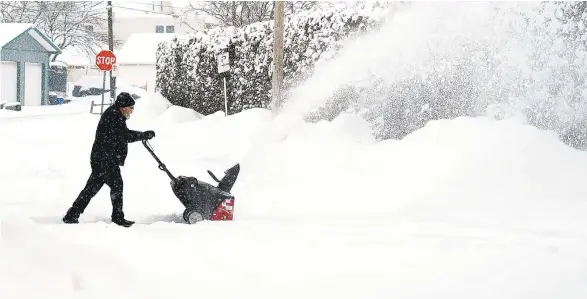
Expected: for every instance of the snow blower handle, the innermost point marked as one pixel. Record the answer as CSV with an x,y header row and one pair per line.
x,y
161,165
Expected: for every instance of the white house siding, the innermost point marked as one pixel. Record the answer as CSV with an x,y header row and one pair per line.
x,y
137,59
8,81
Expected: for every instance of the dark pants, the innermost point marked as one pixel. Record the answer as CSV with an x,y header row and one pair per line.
x,y
100,175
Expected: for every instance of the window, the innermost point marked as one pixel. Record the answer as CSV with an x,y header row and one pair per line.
x,y
165,29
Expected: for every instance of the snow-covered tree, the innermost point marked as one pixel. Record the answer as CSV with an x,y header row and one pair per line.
x,y
187,69
242,13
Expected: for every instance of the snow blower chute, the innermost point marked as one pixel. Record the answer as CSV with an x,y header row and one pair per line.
x,y
201,200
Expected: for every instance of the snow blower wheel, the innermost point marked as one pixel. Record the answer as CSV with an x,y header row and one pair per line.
x,y
192,216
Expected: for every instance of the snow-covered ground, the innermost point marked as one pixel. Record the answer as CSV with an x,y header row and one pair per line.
x,y
78,105
461,208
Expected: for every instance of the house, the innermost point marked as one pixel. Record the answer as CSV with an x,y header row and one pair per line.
x,y
137,61
24,64
79,63
151,17
134,23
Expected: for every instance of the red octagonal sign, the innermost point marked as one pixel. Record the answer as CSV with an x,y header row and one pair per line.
x,y
105,59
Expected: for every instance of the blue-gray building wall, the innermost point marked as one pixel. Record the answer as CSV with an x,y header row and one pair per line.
x,y
26,49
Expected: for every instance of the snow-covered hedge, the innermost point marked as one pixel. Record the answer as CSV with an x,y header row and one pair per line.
x,y
187,68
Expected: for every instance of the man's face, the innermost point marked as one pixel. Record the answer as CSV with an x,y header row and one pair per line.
x,y
127,111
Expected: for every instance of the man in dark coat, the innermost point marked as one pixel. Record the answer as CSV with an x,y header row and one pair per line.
x,y
108,154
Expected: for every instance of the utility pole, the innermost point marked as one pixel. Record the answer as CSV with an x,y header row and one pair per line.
x,y
111,48
277,78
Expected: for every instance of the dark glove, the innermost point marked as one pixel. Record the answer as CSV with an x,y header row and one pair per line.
x,y
148,135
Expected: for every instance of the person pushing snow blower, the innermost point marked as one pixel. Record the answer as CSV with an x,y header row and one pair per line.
x,y
109,152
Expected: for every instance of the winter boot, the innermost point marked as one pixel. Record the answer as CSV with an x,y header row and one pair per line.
x,y
123,222
118,218
70,217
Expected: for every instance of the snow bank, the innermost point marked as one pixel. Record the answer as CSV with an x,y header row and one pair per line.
x,y
177,114
156,112
147,109
465,206
473,171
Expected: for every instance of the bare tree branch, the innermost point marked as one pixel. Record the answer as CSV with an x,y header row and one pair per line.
x,y
66,23
242,13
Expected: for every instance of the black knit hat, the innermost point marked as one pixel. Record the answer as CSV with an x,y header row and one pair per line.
x,y
124,100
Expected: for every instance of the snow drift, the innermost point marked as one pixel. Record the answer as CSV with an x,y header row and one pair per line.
x,y
473,171
470,206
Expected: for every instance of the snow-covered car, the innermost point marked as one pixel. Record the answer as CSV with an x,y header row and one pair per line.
x,y
15,106
90,86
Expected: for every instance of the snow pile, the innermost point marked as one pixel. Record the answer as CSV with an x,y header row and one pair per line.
x,y
151,106
187,67
156,111
464,206
448,172
177,114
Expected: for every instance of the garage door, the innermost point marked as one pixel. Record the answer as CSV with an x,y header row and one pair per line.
x,y
8,87
33,81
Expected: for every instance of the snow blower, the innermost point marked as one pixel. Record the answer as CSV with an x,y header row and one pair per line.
x,y
202,201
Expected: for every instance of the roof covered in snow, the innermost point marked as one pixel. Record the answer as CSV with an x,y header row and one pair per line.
x,y
73,56
141,48
10,31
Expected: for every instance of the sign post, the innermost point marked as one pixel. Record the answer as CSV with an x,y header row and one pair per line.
x,y
223,68
104,61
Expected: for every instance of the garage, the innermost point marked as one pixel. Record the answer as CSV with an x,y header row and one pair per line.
x,y
9,82
33,83
25,55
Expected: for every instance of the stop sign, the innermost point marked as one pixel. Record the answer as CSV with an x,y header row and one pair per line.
x,y
105,59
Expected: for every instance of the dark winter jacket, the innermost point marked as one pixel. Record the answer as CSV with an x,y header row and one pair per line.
x,y
112,137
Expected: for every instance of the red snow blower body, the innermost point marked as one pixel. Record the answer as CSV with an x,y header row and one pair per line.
x,y
202,201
